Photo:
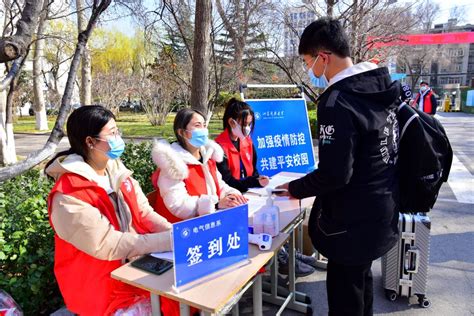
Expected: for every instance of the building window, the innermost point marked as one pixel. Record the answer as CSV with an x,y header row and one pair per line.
x,y
457,67
454,80
456,52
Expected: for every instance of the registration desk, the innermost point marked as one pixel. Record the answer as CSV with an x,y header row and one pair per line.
x,y
221,291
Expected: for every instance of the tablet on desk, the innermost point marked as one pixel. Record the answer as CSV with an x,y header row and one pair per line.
x,y
279,191
151,264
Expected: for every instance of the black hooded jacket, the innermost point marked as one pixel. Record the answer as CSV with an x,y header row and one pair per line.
x,y
355,215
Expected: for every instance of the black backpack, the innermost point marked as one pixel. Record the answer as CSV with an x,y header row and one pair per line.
x,y
424,159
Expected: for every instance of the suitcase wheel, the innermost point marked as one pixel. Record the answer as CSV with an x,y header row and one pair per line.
x,y
391,295
423,301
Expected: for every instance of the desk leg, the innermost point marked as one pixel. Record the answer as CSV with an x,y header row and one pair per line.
x,y
291,255
155,305
299,242
183,309
257,296
288,298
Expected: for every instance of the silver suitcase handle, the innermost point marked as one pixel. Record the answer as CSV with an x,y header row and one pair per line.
x,y
412,260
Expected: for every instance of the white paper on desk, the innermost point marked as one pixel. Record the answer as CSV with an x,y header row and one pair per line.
x,y
274,182
168,256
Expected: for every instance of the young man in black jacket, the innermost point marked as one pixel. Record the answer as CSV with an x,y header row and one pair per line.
x,y
355,216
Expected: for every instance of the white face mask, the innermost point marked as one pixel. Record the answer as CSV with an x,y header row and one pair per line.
x,y
237,130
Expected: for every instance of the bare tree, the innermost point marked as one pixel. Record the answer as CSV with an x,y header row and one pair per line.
x,y
417,60
111,88
86,74
202,28
49,148
156,97
38,82
13,45
239,19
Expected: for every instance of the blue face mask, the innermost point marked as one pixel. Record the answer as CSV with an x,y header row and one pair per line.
x,y
199,137
423,88
318,82
117,146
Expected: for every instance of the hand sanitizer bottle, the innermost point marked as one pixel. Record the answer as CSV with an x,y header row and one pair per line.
x,y
258,219
271,224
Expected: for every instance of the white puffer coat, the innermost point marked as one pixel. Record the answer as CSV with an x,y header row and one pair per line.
x,y
173,161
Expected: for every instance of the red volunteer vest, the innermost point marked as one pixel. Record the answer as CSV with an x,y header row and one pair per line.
x,y
427,106
234,156
85,281
195,185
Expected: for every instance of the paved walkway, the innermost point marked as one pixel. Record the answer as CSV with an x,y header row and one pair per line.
x,y
451,270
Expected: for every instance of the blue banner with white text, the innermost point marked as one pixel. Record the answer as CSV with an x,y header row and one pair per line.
x,y
209,243
282,136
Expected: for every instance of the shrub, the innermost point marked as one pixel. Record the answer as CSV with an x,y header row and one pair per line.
x,y
27,244
137,157
313,123
27,239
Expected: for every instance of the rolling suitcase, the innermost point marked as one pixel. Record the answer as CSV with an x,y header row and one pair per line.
x,y
405,266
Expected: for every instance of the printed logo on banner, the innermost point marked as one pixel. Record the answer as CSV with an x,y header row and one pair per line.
x,y
282,137
209,243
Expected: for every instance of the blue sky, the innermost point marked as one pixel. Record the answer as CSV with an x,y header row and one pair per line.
x,y
127,26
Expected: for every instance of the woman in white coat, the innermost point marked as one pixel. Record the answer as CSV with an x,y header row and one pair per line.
x,y
187,181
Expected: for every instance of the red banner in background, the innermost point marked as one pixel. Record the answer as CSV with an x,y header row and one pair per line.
x,y
422,39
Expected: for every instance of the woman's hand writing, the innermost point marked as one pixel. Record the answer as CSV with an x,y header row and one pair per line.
x,y
231,200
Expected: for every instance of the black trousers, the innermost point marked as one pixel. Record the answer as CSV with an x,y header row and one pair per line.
x,y
349,289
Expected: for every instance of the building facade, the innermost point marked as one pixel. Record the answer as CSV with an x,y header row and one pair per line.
x,y
296,20
443,64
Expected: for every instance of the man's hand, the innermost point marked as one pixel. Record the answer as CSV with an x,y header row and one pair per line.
x,y
283,186
263,180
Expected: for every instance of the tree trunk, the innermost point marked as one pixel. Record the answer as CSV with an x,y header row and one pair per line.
x,y
10,139
201,52
238,38
38,84
239,65
7,141
86,75
6,156
58,129
15,46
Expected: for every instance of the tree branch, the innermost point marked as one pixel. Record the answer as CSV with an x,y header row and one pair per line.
x,y
15,46
58,130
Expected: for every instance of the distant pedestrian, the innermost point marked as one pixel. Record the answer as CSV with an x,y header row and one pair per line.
x,y
426,100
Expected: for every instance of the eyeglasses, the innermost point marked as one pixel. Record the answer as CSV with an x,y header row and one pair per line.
x,y
114,134
304,65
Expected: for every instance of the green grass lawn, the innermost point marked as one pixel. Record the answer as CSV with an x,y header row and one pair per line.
x,y
132,125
